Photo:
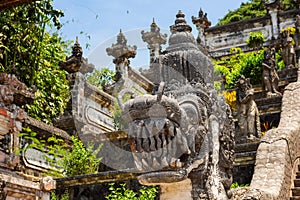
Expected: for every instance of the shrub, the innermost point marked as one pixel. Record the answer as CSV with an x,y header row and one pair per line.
x,y
122,193
256,39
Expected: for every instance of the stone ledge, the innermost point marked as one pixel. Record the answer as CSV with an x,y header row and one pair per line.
x,y
104,177
43,128
20,182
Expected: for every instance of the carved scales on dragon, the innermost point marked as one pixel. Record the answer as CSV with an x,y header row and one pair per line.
x,y
184,130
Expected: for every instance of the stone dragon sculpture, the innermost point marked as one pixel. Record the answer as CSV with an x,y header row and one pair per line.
x,y
184,130
182,133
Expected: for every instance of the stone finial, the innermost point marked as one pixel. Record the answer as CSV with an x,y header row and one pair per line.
x,y
154,26
73,62
121,51
202,20
154,36
77,49
121,38
76,62
180,23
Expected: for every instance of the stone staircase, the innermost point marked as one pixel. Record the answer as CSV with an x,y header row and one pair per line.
x,y
296,189
269,111
270,108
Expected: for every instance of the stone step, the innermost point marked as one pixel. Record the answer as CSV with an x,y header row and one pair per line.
x,y
246,147
296,191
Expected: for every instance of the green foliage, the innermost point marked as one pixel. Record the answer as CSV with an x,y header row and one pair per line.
x,y
24,28
252,66
256,39
74,160
247,64
237,185
119,123
248,10
53,196
80,160
230,68
101,78
288,4
53,148
32,53
252,9
53,90
279,61
122,193
217,85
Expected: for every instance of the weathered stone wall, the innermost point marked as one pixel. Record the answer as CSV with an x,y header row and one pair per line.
x,y
19,179
278,151
220,39
90,107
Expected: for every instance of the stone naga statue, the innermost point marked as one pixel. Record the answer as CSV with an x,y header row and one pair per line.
x,y
183,133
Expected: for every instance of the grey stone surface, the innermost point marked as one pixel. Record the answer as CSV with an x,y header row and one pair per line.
x,y
184,130
220,39
278,151
247,115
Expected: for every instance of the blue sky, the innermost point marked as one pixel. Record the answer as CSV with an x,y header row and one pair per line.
x,y
96,22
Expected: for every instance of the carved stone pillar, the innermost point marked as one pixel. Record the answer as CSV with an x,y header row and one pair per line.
x,y
121,53
273,8
154,39
76,66
201,23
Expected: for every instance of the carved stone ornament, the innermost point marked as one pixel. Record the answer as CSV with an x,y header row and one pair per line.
x,y
269,75
154,36
121,51
48,183
202,20
248,115
184,130
288,51
76,62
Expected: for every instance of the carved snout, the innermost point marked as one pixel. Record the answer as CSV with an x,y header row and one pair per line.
x,y
156,138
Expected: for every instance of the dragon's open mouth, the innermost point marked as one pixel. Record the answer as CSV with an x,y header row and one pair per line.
x,y
156,140
156,143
